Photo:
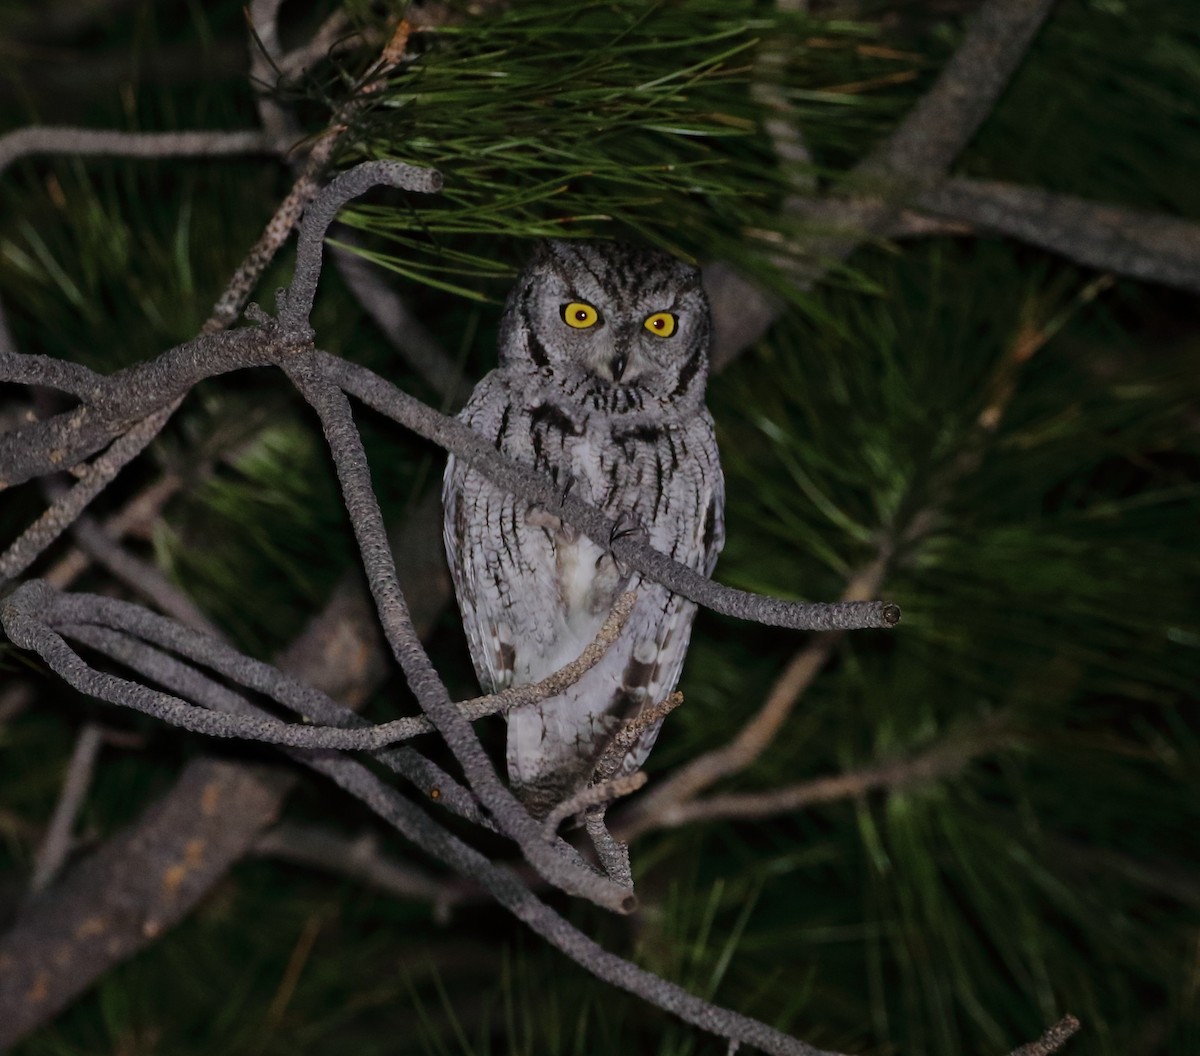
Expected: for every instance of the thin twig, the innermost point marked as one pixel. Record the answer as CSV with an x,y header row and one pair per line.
x,y
51,524
1053,1040
305,189
943,759
138,513
615,752
359,858
414,824
56,846
90,142
597,795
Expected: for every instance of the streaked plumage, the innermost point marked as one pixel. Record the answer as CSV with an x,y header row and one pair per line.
x,y
614,411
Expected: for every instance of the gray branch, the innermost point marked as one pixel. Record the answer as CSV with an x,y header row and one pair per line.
x,y
417,826
1143,245
109,143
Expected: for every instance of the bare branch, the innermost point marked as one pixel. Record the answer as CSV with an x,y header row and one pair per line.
x,y
60,374
943,759
137,513
1147,246
597,795
613,853
39,535
1053,1040
85,142
59,836
359,858
60,442
297,304
461,441
363,507
947,117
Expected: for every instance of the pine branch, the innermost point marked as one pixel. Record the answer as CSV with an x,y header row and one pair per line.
x,y
1052,1041
1148,246
114,903
944,758
22,613
88,142
360,859
65,510
56,846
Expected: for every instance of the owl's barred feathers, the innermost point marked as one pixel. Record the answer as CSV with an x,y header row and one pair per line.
x,y
614,412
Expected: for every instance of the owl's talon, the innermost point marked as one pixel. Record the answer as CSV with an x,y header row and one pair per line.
x,y
625,526
566,488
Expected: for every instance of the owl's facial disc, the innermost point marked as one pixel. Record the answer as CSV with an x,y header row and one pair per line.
x,y
612,352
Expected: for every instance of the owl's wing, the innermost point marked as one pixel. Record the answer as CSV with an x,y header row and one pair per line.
x,y
670,483
502,567
688,524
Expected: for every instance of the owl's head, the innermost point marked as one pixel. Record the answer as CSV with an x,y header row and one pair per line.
x,y
615,324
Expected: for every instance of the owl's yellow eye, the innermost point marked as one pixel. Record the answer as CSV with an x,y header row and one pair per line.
x,y
580,315
661,324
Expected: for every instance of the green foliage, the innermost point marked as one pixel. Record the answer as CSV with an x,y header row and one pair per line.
x,y
1108,108
641,125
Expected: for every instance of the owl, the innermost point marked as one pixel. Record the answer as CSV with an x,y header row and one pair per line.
x,y
603,361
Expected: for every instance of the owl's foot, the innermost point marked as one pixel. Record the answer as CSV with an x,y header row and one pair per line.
x,y
566,481
626,526
559,530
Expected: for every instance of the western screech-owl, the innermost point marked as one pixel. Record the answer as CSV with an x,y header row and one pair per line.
x,y
603,361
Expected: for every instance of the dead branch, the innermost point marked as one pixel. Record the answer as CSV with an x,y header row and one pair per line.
x,y
88,142
56,845
65,510
360,859
1052,1041
1142,245
943,759
149,876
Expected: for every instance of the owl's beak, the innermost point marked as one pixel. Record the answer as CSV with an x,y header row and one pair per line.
x,y
617,365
